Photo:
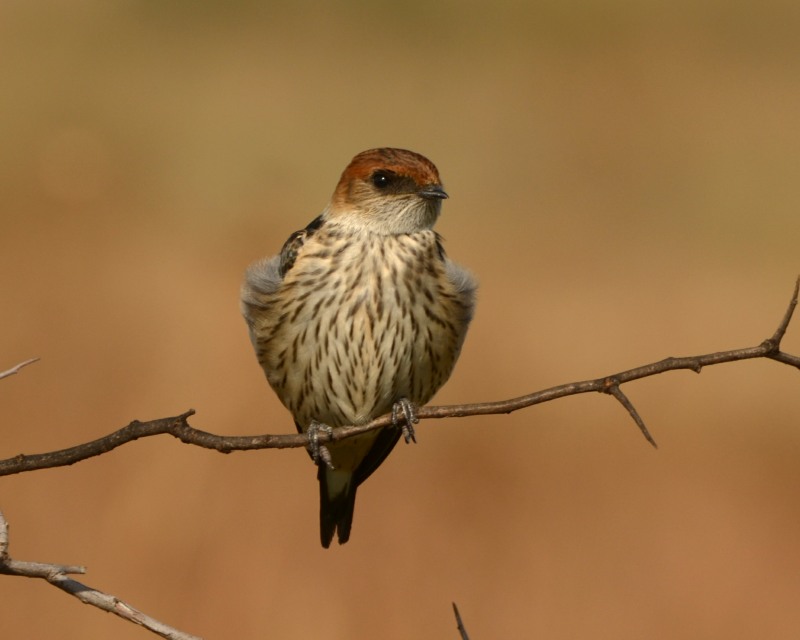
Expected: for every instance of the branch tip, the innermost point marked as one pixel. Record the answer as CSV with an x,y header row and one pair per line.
x,y
17,367
775,341
460,624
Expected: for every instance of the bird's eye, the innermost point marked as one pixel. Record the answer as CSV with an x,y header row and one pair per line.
x,y
381,179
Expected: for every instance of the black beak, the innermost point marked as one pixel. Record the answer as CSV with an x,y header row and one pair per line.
x,y
433,192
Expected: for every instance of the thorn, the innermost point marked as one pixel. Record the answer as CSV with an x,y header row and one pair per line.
x,y
615,391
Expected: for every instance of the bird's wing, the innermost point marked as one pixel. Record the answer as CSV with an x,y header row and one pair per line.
x,y
378,452
463,282
465,286
292,246
264,277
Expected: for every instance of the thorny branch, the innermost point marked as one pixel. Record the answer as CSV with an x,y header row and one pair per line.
x,y
178,426
58,576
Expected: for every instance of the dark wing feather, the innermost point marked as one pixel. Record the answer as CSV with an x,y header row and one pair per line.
x,y
292,246
380,450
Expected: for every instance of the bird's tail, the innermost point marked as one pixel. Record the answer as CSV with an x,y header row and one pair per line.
x,y
337,499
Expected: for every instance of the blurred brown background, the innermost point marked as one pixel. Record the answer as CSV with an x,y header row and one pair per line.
x,y
624,183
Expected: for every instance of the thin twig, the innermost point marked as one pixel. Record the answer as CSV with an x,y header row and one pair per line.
x,y
178,426
58,576
787,317
16,368
461,630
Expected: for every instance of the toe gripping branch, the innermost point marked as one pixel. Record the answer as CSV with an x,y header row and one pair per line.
x,y
319,452
404,416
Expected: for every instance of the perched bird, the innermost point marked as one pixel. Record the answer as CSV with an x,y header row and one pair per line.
x,y
361,314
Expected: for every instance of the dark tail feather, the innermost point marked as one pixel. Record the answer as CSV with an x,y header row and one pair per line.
x,y
335,511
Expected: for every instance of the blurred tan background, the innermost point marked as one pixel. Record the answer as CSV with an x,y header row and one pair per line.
x,y
624,183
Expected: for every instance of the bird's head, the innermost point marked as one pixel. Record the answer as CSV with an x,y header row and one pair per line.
x,y
388,191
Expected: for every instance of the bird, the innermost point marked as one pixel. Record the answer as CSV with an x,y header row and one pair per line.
x,y
361,314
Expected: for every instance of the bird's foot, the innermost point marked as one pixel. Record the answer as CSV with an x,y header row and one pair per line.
x,y
404,416
319,452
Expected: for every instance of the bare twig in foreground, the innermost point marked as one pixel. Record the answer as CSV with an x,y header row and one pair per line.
x,y
178,426
57,575
16,368
461,630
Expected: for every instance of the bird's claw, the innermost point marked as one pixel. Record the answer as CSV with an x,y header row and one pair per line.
x,y
319,452
404,416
